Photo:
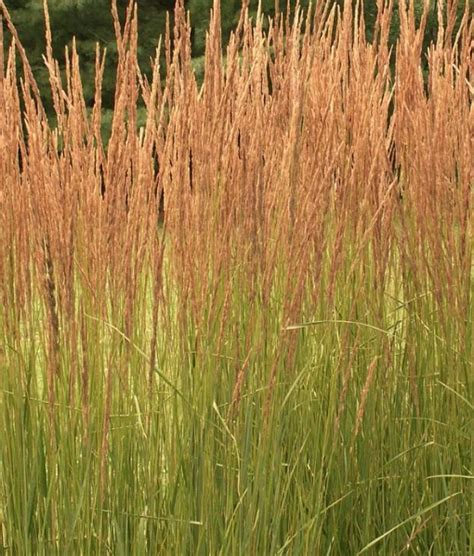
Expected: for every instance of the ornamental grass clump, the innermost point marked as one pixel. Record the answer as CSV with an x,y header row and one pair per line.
x,y
246,325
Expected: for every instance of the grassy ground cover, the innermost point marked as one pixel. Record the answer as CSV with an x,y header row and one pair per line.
x,y
277,361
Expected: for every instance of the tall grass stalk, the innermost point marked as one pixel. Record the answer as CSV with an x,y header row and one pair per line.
x,y
245,327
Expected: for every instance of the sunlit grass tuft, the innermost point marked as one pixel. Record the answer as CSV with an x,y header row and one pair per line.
x,y
244,324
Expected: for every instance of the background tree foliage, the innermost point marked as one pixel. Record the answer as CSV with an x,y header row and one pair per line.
x,y
90,22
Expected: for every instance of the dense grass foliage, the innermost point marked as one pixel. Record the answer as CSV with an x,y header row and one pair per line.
x,y
244,327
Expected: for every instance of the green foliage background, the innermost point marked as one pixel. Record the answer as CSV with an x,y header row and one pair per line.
x,y
90,22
